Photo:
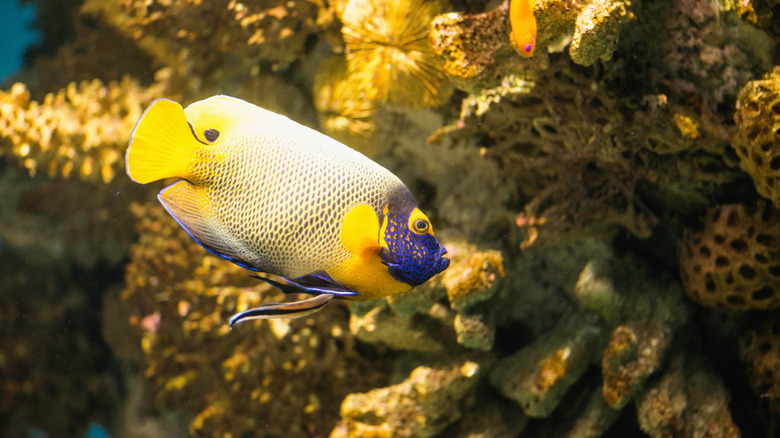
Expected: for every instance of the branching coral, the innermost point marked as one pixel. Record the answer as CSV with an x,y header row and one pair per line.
x,y
79,131
734,262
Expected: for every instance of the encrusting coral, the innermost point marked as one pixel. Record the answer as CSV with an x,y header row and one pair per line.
x,y
757,140
734,262
216,39
345,111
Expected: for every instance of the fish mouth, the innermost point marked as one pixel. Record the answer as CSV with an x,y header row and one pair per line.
x,y
444,262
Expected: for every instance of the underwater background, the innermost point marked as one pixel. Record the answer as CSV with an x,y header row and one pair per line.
x,y
610,206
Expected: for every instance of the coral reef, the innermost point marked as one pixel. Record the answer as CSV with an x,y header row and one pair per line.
x,y
216,39
597,29
757,143
81,130
734,262
538,376
561,184
182,297
477,50
688,400
388,51
760,350
421,406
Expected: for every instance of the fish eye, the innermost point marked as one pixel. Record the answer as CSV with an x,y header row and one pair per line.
x,y
211,134
420,226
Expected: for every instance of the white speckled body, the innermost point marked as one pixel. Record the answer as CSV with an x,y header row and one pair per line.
x,y
277,192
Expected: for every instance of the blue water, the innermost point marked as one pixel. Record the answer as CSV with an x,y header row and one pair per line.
x,y
16,34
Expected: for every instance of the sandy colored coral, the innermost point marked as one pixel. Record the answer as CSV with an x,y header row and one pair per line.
x,y
688,400
279,376
388,51
760,350
79,131
757,142
474,283
734,262
420,406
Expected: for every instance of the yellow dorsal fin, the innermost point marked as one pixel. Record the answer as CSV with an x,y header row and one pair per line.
x,y
162,144
360,230
225,114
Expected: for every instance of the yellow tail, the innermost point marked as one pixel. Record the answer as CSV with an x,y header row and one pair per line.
x,y
162,145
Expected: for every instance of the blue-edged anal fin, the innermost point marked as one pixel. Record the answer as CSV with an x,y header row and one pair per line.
x,y
315,284
295,309
192,209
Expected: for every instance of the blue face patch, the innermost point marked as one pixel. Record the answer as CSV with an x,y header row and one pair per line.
x,y
412,257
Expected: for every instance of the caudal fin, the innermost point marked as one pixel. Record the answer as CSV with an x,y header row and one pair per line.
x,y
162,144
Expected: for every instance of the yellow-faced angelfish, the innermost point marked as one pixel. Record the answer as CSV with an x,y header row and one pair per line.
x,y
274,196
523,22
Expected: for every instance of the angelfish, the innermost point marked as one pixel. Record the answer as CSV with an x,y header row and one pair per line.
x,y
276,197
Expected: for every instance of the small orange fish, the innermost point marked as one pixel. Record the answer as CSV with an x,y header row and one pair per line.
x,y
521,17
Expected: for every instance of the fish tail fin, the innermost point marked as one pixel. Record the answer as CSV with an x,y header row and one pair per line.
x,y
162,144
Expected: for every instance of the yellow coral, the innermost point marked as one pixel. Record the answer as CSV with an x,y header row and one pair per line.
x,y
757,142
345,111
81,130
388,51
760,350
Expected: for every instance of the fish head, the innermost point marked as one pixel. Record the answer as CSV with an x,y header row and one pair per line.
x,y
408,246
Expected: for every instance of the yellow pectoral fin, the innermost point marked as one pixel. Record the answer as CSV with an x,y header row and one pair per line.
x,y
360,230
364,271
162,144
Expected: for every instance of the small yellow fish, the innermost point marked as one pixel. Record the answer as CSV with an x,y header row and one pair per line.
x,y
273,196
521,17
